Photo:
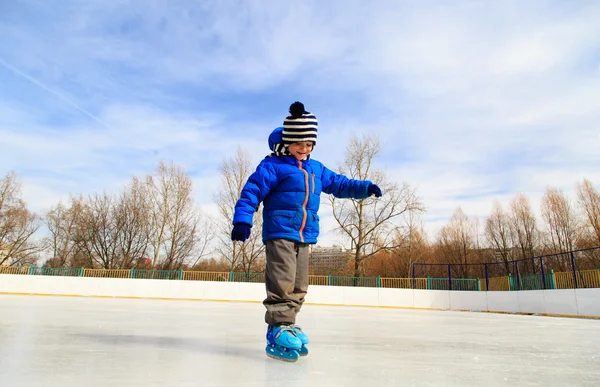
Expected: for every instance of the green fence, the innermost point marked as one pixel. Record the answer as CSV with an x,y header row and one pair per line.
x,y
157,274
550,280
56,271
533,282
247,277
363,282
467,284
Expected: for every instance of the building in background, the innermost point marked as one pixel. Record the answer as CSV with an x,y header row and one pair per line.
x,y
329,260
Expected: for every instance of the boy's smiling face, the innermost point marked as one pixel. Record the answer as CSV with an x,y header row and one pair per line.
x,y
301,150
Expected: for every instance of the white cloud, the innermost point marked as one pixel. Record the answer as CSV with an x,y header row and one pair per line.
x,y
81,159
474,101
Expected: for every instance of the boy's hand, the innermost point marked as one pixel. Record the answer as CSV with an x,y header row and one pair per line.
x,y
240,232
374,190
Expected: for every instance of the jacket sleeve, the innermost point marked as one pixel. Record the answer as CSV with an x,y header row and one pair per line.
x,y
342,187
259,184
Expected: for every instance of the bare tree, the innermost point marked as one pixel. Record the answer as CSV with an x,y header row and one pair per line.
x,y
480,252
156,214
174,217
523,226
204,241
211,264
369,223
457,242
131,214
561,220
244,256
17,225
589,201
499,233
97,232
412,246
61,222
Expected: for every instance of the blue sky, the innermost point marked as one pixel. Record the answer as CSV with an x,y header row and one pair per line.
x,y
473,101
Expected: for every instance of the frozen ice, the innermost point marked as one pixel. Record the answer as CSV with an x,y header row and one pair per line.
x,y
93,342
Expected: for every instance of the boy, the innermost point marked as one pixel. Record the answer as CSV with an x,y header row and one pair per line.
x,y
289,183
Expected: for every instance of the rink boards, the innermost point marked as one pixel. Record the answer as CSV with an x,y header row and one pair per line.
x,y
567,302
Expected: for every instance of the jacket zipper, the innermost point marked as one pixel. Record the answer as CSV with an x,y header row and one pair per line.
x,y
305,200
313,183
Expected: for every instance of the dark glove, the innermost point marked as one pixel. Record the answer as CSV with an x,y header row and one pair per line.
x,y
374,190
240,232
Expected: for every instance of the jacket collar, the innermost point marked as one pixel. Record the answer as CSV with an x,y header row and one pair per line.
x,y
293,160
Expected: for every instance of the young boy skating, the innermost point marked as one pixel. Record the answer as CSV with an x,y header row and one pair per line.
x,y
289,184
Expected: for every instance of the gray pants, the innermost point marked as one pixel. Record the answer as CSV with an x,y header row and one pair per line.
x,y
286,280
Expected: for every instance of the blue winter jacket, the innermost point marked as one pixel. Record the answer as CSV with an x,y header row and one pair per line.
x,y
290,192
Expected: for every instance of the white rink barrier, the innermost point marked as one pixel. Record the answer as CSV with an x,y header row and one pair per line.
x,y
567,302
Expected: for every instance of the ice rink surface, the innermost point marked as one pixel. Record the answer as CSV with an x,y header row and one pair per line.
x,y
93,342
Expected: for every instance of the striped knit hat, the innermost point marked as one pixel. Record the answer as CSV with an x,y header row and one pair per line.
x,y
299,126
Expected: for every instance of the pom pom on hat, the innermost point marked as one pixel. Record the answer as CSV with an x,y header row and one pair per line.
x,y
297,109
300,125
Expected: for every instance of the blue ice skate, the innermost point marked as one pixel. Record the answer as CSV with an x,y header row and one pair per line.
x,y
282,343
303,337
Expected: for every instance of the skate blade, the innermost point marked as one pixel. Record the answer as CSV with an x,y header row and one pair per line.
x,y
303,352
282,358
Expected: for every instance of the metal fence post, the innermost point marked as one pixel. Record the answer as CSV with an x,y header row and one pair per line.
x,y
449,279
429,283
543,273
328,279
487,279
517,276
574,270
378,281
131,272
180,274
230,275
414,282
80,273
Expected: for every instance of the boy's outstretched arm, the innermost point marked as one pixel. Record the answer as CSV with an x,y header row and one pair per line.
x,y
342,187
257,187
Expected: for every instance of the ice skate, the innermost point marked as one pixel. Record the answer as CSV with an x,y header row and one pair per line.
x,y
303,351
282,343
